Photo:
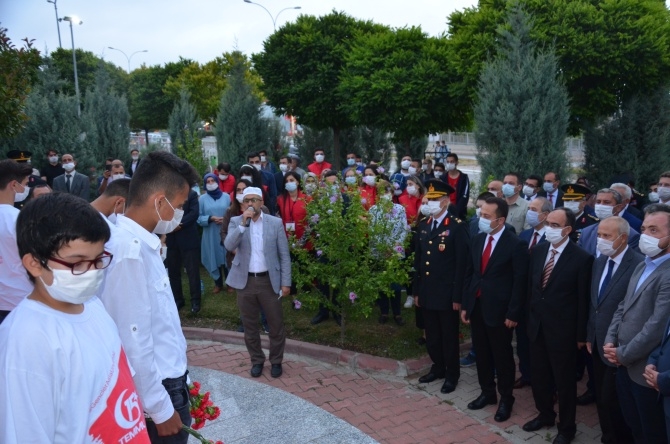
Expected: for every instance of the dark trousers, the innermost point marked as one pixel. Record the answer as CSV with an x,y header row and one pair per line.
x,y
259,293
642,409
442,342
394,301
493,342
3,315
612,423
189,259
178,391
549,365
523,349
585,362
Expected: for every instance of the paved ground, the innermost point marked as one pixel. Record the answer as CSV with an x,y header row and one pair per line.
x,y
387,408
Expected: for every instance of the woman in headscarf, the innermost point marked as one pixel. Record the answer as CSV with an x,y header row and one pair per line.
x,y
213,206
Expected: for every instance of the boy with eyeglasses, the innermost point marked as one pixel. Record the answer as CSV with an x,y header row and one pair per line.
x,y
66,375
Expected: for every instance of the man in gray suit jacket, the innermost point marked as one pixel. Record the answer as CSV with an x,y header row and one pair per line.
x,y
261,274
638,326
610,276
72,182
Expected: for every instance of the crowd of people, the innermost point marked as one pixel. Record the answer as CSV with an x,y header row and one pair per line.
x,y
578,275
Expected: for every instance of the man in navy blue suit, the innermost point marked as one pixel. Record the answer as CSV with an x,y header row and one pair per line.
x,y
657,374
626,195
609,203
269,181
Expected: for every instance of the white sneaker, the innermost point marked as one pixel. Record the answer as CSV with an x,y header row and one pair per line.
x,y
409,302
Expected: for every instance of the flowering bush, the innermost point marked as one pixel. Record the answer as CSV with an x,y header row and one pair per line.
x,y
202,410
350,254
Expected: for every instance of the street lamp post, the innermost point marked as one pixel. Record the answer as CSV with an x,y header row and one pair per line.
x,y
131,55
60,45
74,60
274,19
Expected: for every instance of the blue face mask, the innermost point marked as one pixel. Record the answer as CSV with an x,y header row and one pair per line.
x,y
533,218
350,180
351,162
291,186
508,190
485,225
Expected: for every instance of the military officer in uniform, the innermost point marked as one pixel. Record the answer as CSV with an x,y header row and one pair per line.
x,y
575,197
441,252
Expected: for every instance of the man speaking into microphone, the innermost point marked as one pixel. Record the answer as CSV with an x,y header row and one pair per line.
x,y
261,274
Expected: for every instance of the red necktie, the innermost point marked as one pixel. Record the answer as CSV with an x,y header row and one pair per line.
x,y
532,244
486,255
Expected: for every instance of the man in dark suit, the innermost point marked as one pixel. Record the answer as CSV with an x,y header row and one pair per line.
x,y
134,161
284,167
496,283
254,159
609,203
611,273
657,374
441,252
628,212
183,251
538,210
637,328
72,182
550,189
459,181
559,283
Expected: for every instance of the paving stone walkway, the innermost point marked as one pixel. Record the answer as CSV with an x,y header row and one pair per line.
x,y
389,409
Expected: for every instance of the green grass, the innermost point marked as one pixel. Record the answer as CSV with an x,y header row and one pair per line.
x,y
219,311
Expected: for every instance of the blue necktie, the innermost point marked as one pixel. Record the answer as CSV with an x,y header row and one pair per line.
x,y
608,277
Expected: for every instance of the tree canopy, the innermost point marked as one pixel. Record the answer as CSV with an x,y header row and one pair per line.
x,y
608,50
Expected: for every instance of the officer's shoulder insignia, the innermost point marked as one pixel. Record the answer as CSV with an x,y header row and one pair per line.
x,y
593,217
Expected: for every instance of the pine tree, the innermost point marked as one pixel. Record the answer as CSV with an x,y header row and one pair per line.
x,y
183,129
105,120
521,115
636,141
239,126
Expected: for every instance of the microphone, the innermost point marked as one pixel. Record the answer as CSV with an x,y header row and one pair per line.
x,y
249,219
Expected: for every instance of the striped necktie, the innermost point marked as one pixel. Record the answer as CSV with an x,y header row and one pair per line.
x,y
548,269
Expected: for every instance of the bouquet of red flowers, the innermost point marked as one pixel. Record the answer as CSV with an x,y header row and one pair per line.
x,y
202,410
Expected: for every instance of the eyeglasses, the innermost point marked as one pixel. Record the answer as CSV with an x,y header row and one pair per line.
x,y
99,263
251,200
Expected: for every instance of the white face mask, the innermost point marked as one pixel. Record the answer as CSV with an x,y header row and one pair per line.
x,y
168,226
649,245
478,212
283,167
664,193
319,158
370,180
264,159
485,225
606,247
118,176
257,166
68,166
387,197
211,186
554,235
438,174
249,178
572,205
434,207
548,187
135,157
113,217
310,188
223,176
528,191
20,197
397,192
351,162
350,180
603,211
449,166
653,197
411,170
405,164
411,190
425,210
239,197
291,186
53,159
66,287
424,167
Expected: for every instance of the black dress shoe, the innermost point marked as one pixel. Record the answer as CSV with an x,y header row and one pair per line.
x,y
195,307
430,377
276,370
587,398
319,318
504,410
256,370
536,424
563,439
482,401
448,387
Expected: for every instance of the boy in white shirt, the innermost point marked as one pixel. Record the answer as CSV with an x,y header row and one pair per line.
x,y
66,378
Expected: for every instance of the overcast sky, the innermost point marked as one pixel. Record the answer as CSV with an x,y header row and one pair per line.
x,y
196,29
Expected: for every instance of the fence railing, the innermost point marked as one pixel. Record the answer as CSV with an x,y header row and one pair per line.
x,y
571,143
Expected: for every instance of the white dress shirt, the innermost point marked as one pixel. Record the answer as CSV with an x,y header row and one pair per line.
x,y
137,295
257,261
496,238
559,251
617,262
14,282
540,233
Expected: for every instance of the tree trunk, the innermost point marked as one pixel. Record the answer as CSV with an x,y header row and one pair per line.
x,y
146,137
336,149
